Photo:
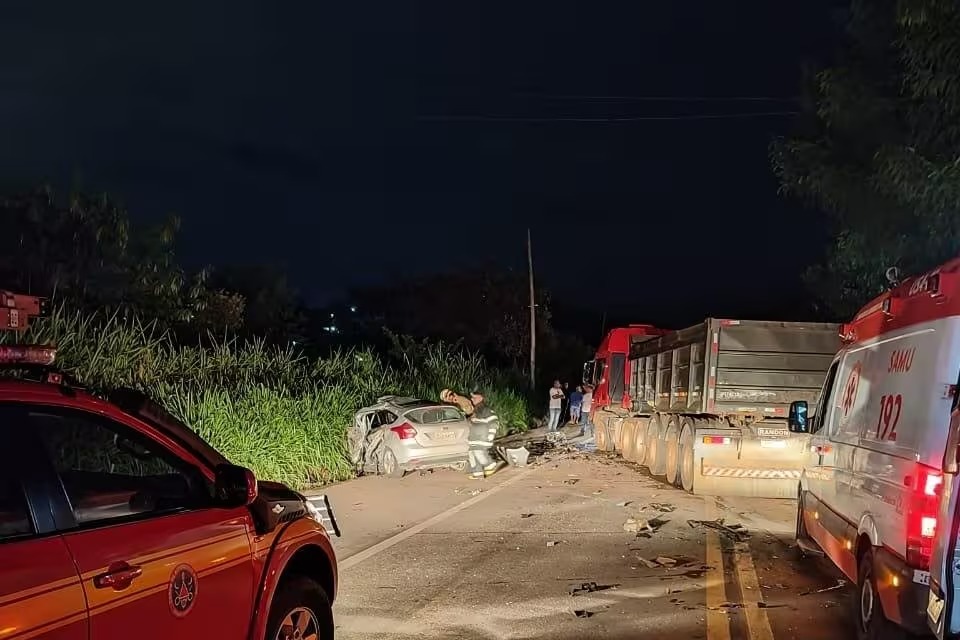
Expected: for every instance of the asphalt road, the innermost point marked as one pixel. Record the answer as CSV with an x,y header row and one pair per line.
x,y
440,556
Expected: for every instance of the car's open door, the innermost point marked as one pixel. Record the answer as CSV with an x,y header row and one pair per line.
x,y
943,606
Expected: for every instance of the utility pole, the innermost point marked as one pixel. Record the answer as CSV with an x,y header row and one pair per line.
x,y
533,316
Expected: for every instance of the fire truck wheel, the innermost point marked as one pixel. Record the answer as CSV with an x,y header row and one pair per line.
x,y
687,465
300,609
870,621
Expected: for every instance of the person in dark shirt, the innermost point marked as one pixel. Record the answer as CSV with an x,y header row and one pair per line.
x,y
576,402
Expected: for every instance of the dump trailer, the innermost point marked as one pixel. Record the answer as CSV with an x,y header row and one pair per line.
x,y
708,404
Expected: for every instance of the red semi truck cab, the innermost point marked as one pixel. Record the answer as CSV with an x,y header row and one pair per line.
x,y
608,372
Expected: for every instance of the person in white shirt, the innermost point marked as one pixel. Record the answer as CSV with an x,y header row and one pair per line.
x,y
556,406
586,404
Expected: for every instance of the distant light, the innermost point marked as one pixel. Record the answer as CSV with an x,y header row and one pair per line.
x,y
331,315
353,309
331,328
294,343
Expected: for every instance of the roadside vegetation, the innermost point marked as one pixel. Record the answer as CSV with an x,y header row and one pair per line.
x,y
270,408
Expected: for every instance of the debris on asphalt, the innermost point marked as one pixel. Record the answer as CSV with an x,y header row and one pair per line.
x,y
552,543
527,515
598,492
571,481
515,457
632,525
583,613
476,492
589,587
735,532
665,561
625,503
840,585
649,564
663,507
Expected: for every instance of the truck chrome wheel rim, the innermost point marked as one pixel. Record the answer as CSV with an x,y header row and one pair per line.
x,y
300,624
866,605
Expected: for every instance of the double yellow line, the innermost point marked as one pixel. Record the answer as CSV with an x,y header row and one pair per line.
x,y
718,620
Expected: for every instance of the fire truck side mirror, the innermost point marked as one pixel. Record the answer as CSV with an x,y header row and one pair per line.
x,y
797,419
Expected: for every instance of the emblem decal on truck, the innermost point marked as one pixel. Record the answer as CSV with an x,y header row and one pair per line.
x,y
182,590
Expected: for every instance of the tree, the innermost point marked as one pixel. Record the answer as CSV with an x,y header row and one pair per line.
x,y
272,307
881,152
88,253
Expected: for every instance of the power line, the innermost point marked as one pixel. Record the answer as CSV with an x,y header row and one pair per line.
x,y
608,120
661,98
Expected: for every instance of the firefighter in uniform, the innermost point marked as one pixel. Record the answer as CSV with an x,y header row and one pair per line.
x,y
484,425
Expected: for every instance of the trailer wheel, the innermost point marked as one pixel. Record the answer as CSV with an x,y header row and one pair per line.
x,y
601,436
687,465
671,445
655,449
640,442
627,436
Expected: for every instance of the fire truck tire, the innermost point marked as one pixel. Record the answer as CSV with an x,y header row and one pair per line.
x,y
640,441
671,447
300,600
688,469
628,436
655,450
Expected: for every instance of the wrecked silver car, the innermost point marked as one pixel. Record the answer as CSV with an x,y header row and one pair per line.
x,y
399,434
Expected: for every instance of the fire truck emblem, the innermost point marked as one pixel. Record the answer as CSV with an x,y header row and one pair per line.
x,y
850,390
182,592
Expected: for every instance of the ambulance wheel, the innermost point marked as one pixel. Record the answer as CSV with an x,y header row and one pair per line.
x,y
870,621
300,609
389,465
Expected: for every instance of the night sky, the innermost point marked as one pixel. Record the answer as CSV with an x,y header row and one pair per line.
x,y
354,142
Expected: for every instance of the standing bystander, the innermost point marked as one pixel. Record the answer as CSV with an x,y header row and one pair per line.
x,y
576,401
556,405
586,405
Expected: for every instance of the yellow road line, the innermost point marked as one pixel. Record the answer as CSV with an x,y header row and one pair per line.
x,y
758,625
718,622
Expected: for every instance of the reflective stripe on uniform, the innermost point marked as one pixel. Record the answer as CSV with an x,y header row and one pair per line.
x,y
729,472
484,420
479,443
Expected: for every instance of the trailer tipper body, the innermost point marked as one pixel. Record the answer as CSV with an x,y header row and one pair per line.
x,y
706,406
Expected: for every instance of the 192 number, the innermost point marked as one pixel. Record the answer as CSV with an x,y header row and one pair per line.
x,y
890,408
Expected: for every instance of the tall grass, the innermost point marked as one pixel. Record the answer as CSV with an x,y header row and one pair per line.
x,y
271,409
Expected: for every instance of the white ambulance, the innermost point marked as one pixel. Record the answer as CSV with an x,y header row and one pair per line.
x,y
877,493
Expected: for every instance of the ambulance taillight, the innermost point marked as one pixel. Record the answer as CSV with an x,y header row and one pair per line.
x,y
922,517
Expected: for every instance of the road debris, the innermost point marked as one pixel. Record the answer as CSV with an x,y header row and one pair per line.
x,y
625,503
840,585
598,492
665,561
649,564
583,613
735,532
476,492
662,507
643,528
589,587
571,481
527,515
552,543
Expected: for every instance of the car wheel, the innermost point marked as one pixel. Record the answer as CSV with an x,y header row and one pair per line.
x,y
869,618
391,468
300,611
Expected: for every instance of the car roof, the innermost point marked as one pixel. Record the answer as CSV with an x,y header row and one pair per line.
x,y
404,404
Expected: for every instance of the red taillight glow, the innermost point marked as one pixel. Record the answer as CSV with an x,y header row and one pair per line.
x,y
922,517
404,431
717,440
27,355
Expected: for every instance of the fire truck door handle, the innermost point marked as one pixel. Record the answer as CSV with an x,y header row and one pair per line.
x,y
117,577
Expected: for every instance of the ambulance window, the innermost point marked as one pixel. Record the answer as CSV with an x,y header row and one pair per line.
x,y
824,400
